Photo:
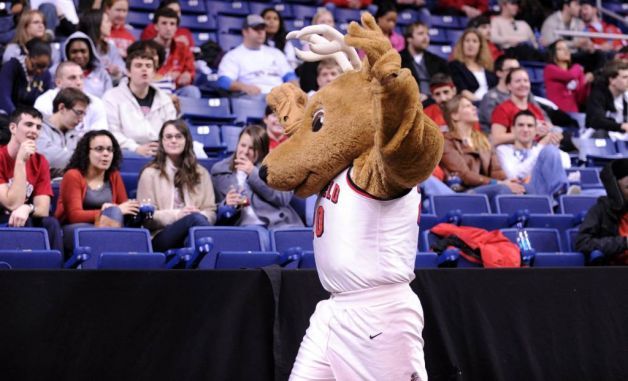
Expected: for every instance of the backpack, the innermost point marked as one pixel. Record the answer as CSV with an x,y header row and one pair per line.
x,y
489,248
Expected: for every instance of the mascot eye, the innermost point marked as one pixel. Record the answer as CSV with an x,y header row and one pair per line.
x,y
318,120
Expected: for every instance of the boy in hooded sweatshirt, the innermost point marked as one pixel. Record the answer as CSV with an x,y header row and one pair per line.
x,y
605,226
80,49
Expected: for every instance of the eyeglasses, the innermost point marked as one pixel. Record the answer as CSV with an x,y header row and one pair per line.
x,y
79,113
101,149
173,136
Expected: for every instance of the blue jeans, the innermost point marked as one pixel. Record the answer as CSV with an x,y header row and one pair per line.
x,y
548,175
189,91
174,235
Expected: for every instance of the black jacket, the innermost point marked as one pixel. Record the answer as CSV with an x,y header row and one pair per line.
x,y
599,102
465,80
433,63
600,228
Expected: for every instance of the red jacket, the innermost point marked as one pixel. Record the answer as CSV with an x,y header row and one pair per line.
x,y
481,5
73,189
556,81
179,60
150,32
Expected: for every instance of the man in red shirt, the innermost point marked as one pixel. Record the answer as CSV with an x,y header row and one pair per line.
x,y
179,65
590,16
25,188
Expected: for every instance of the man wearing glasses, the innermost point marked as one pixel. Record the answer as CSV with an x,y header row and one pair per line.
x,y
25,190
59,136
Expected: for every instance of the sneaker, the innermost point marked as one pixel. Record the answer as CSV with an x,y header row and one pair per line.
x,y
574,190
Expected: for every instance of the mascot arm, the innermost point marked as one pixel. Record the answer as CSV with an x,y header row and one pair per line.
x,y
270,195
408,145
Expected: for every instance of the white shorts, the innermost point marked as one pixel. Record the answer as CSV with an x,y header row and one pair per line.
x,y
372,334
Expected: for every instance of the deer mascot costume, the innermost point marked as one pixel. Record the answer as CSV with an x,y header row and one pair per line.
x,y
363,144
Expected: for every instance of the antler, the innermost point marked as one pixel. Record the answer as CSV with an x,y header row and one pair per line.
x,y
326,42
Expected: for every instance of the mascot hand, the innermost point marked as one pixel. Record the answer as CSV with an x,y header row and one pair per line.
x,y
288,103
384,60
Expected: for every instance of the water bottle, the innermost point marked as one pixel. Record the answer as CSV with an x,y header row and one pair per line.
x,y
454,182
525,247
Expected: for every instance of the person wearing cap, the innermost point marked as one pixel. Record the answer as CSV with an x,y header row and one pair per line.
x,y
593,23
507,32
482,24
421,63
252,67
605,226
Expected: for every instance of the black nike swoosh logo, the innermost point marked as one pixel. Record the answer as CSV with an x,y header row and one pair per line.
x,y
374,336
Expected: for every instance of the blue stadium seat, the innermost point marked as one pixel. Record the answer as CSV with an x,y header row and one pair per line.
x,y
248,110
193,7
303,11
559,260
130,180
296,24
285,10
451,22
229,41
230,136
139,19
210,137
282,239
589,177
466,203
407,17
571,235
510,204
579,117
622,147
235,8
453,35
229,24
208,163
438,36
24,239
484,221
596,152
102,240
426,260
346,15
443,51
143,5
133,164
202,23
212,110
131,261
307,260
251,259
542,240
305,208
202,37
576,204
32,259
229,238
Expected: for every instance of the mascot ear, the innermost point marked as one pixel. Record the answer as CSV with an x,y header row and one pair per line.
x,y
288,103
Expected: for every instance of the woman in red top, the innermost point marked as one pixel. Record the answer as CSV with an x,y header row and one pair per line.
x,y
92,185
117,10
518,83
565,84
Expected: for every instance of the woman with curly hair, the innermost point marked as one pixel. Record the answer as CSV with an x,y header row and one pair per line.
x,y
179,188
276,35
472,66
92,186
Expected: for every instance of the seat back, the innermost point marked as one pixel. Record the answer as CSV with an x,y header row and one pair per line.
x,y
247,110
307,260
201,23
206,110
576,204
245,259
542,240
282,239
229,25
235,8
510,204
230,238
571,235
35,259
101,240
131,261
426,260
24,239
467,203
230,136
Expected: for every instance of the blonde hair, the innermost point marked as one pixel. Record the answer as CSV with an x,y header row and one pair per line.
x,y
483,58
319,12
452,106
21,36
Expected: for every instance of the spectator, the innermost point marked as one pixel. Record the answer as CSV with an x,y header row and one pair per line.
x,y
25,189
607,106
136,109
467,153
354,4
497,94
31,25
605,226
565,84
443,89
326,71
276,35
92,190
70,75
539,167
307,71
182,35
26,77
97,26
80,49
252,67
179,65
59,137
237,185
386,18
60,15
180,189
483,25
117,10
472,66
566,18
518,84
468,8
590,16
421,62
513,35
274,129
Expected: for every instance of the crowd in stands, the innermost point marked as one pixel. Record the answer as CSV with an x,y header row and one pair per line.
x,y
80,90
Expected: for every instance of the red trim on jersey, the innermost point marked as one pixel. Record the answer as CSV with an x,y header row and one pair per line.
x,y
364,193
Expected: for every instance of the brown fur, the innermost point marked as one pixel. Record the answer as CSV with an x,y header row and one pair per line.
x,y
373,121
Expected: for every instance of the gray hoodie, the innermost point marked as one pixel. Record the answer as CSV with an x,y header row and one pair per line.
x,y
98,80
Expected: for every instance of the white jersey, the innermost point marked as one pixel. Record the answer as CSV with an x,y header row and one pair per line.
x,y
361,242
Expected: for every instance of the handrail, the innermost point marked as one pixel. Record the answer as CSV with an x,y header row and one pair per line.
x,y
611,36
